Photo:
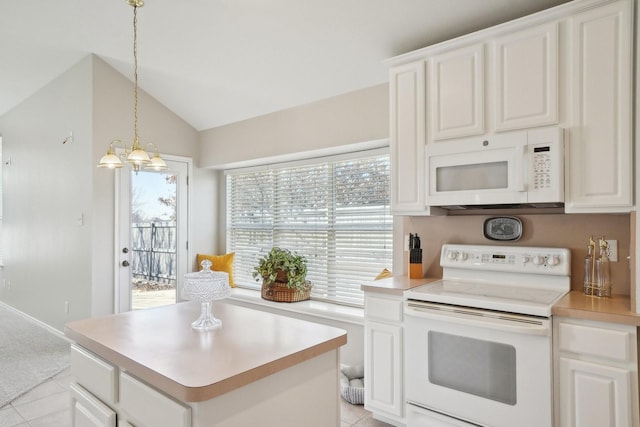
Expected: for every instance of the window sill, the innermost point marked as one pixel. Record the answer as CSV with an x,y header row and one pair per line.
x,y
322,309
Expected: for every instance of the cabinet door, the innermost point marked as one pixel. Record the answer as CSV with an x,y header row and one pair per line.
x,y
87,411
456,93
407,127
149,407
383,369
96,375
600,161
526,78
594,395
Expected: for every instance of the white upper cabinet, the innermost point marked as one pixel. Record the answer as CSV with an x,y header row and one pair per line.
x,y
600,76
570,66
407,127
516,89
456,93
526,78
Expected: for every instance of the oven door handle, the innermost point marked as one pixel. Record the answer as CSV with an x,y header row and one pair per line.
x,y
480,318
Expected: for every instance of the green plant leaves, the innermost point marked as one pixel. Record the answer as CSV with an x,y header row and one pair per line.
x,y
279,259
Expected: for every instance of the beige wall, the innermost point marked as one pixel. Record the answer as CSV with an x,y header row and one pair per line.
x,y
554,230
113,119
355,117
46,191
59,208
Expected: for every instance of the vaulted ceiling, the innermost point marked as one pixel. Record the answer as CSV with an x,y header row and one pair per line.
x,y
215,62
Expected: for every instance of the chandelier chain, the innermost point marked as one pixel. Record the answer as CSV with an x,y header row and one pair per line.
x,y
135,75
135,155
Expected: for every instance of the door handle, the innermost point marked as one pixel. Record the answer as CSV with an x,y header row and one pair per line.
x,y
125,263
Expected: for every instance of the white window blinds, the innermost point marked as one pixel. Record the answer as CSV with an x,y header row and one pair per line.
x,y
334,212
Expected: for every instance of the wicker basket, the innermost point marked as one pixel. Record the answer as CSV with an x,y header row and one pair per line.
x,y
279,292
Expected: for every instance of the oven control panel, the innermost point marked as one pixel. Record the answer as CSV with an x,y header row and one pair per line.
x,y
516,259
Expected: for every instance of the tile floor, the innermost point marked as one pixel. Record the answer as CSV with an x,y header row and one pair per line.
x,y
48,406
45,406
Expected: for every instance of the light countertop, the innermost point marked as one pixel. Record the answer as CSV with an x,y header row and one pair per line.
x,y
396,284
160,347
616,309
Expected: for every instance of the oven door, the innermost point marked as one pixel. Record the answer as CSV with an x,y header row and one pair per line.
x,y
487,368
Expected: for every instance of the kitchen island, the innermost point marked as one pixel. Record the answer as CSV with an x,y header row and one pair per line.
x,y
151,368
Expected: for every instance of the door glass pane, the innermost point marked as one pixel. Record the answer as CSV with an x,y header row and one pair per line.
x,y
153,239
482,368
477,176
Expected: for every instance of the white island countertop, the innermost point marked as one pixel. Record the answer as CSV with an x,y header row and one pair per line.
x,y
159,346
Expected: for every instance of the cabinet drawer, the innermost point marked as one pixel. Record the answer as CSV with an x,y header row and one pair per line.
x,y
86,410
148,407
385,309
613,344
94,374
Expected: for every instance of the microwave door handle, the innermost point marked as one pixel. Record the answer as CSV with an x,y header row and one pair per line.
x,y
521,171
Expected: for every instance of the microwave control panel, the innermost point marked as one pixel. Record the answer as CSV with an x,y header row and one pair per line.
x,y
545,165
542,167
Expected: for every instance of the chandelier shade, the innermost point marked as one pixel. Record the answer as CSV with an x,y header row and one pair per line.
x,y
110,160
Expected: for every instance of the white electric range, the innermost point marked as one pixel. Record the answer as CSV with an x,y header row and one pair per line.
x,y
478,347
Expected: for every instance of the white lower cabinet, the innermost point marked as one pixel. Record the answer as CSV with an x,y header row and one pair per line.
x,y
147,407
597,374
96,375
88,411
383,354
102,395
594,395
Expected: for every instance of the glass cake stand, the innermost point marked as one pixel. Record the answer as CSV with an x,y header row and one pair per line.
x,y
206,286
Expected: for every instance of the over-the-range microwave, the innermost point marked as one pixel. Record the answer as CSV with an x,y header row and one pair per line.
x,y
512,169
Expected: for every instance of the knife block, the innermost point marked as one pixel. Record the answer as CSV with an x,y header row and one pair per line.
x,y
415,264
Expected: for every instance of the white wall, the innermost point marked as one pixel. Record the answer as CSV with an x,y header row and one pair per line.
x,y
355,117
49,256
330,126
207,234
113,119
47,190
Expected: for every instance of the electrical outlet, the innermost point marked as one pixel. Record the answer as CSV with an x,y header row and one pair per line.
x,y
66,306
612,250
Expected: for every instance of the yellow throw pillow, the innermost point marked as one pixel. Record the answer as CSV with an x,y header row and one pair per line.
x,y
219,263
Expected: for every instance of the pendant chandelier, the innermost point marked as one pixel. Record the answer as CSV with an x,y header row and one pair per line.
x,y
135,155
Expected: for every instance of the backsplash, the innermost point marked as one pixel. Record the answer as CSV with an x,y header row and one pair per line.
x,y
554,230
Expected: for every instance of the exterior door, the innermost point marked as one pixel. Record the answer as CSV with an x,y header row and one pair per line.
x,y
152,238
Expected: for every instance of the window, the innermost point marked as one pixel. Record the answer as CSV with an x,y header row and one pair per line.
x,y
334,211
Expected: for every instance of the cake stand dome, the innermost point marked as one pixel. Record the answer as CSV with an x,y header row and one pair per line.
x,y
206,286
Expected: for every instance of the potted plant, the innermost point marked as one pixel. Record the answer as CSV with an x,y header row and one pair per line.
x,y
284,276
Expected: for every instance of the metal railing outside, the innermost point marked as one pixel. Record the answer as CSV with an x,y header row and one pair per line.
x,y
154,252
